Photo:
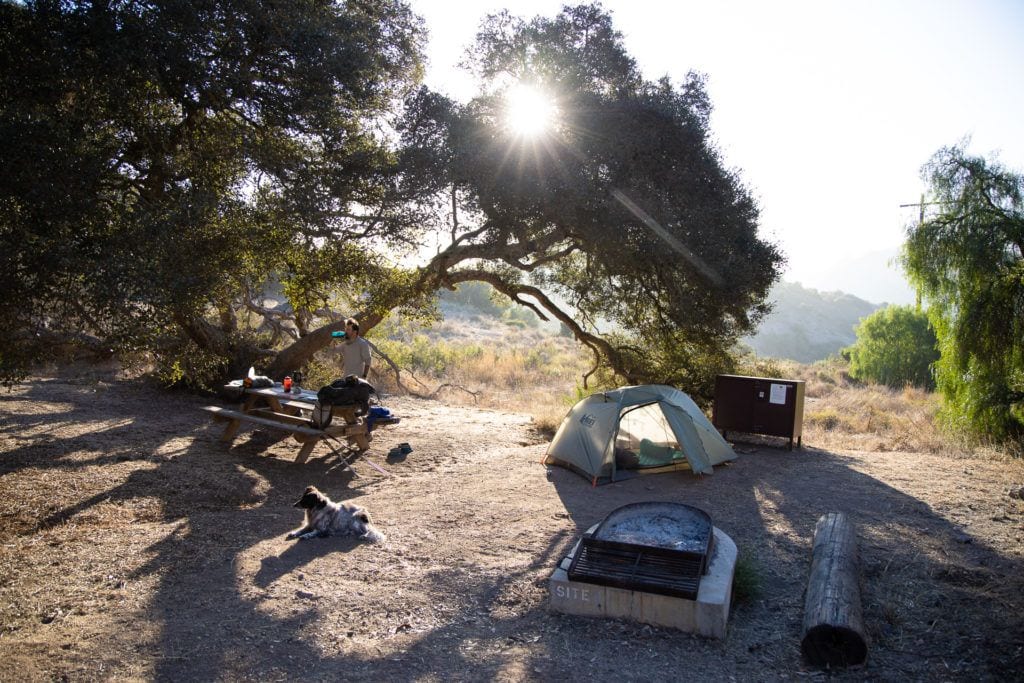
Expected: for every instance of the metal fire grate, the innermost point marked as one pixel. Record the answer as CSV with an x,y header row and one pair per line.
x,y
652,547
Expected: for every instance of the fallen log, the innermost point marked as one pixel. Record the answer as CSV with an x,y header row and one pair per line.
x,y
833,630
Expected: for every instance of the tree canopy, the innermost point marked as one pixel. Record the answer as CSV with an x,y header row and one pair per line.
x,y
895,346
622,221
170,161
967,259
161,159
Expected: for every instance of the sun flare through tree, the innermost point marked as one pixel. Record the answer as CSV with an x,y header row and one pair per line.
x,y
529,111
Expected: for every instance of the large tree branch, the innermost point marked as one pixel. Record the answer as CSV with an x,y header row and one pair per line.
x,y
600,347
204,335
543,260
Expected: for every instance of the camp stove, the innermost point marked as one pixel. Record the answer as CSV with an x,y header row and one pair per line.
x,y
652,547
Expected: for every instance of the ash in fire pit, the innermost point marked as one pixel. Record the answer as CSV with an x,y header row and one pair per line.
x,y
654,547
663,525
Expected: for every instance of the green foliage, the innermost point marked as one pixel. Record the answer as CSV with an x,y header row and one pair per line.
x,y
478,295
681,359
521,317
187,365
625,209
162,160
420,354
967,260
319,373
482,297
895,346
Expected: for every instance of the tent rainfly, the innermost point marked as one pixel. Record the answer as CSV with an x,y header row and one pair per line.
x,y
642,429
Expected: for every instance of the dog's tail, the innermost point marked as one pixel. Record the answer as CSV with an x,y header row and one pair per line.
x,y
373,535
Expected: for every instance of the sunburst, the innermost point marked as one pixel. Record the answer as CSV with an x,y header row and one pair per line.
x,y
529,111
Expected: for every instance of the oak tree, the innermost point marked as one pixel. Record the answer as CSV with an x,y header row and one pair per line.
x,y
163,159
172,161
621,221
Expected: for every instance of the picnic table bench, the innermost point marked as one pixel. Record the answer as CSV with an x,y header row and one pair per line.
x,y
292,412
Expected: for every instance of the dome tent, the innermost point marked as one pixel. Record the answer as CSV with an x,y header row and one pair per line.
x,y
645,428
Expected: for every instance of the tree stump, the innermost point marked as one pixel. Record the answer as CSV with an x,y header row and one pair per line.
x,y
833,622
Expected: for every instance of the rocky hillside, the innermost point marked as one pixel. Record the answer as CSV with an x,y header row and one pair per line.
x,y
808,325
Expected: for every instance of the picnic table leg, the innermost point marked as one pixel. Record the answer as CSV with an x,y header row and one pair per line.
x,y
361,437
306,450
230,431
234,425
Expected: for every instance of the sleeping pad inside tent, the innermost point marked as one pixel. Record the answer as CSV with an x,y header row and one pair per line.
x,y
638,429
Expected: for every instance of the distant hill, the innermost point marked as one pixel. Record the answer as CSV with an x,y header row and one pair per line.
x,y
807,325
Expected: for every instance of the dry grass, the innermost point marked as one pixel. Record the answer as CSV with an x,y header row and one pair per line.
x,y
541,375
485,363
841,413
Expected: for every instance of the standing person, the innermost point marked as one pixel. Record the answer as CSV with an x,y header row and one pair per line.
x,y
356,351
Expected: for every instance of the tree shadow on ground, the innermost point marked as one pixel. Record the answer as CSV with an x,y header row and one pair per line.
x,y
216,506
931,593
925,579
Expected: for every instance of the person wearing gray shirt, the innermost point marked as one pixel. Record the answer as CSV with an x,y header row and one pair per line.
x,y
355,351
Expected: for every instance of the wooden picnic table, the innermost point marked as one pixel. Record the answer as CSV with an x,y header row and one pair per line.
x,y
292,412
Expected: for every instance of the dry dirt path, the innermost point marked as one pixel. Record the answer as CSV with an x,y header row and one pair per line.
x,y
133,545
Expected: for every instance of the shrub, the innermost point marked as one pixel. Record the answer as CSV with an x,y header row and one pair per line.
x,y
895,346
826,419
478,295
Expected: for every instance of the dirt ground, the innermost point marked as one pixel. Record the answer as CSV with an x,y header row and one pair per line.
x,y
135,546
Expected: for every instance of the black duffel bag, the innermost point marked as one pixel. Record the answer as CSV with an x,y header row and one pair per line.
x,y
348,391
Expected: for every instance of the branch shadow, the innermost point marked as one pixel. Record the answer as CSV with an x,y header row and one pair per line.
x,y
220,505
915,563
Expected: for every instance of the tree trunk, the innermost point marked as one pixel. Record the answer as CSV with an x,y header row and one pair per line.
x,y
299,353
833,623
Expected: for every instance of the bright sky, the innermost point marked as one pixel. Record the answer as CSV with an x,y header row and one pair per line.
x,y
829,109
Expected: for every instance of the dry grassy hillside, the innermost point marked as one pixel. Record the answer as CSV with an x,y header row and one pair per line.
x,y
531,370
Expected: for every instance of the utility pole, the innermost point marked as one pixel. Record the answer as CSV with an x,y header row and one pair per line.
x,y
920,220
922,204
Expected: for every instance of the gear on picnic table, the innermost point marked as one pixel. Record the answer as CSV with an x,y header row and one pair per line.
x,y
350,390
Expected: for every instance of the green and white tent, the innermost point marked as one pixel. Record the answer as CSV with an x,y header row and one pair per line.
x,y
638,429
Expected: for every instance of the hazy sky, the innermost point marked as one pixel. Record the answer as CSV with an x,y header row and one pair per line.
x,y
829,109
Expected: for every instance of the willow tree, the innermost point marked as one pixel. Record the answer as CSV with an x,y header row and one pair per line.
x,y
895,346
967,259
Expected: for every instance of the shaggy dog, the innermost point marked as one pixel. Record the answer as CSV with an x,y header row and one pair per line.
x,y
325,517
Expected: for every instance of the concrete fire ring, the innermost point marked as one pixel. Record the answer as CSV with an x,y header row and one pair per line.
x,y
706,616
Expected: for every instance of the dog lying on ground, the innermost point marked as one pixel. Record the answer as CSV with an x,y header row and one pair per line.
x,y
325,517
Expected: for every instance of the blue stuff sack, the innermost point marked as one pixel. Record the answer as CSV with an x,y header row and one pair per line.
x,y
377,413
